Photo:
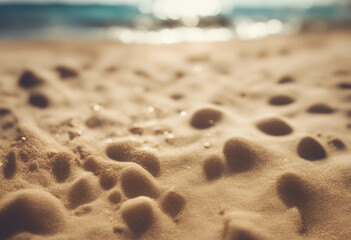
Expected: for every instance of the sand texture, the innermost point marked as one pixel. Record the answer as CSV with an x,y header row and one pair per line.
x,y
235,140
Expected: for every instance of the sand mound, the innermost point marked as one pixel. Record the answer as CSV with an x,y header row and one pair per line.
x,y
125,151
91,165
138,213
120,151
135,182
292,190
32,211
81,192
148,161
242,226
241,154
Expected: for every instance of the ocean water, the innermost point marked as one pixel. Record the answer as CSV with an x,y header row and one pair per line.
x,y
131,23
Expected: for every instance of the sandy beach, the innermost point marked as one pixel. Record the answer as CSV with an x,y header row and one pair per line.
x,y
238,140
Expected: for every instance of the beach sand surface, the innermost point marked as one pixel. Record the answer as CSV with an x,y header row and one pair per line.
x,y
239,140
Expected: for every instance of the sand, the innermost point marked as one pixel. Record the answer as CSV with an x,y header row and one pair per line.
x,y
239,140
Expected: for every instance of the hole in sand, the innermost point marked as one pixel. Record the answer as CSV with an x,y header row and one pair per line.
x,y
280,100
10,165
337,144
66,72
274,126
310,149
172,203
240,154
213,167
286,79
205,118
107,180
38,100
29,79
344,85
177,96
320,108
61,167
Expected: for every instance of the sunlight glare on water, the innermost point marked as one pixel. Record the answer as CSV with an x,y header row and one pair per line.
x,y
167,21
182,9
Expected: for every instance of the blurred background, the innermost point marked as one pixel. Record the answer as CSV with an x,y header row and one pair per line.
x,y
168,21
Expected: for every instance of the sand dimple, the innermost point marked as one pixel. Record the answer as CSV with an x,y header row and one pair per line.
x,y
177,96
341,72
81,192
115,197
205,118
274,126
213,167
172,203
135,182
321,108
61,166
280,100
239,233
344,85
66,72
136,130
138,214
10,165
337,144
286,79
4,111
29,79
107,180
94,121
32,211
38,100
310,149
240,154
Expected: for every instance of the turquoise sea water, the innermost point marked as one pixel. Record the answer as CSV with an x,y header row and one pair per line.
x,y
96,21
